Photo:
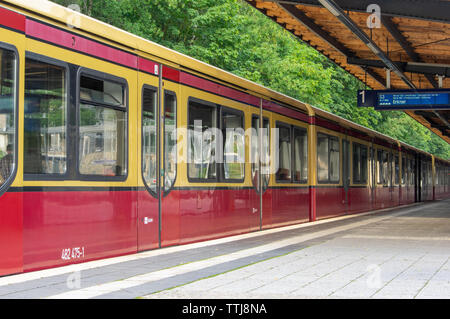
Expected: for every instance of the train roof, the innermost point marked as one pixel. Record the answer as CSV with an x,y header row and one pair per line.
x,y
119,38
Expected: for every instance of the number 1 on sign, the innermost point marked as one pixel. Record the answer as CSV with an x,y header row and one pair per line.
x,y
363,96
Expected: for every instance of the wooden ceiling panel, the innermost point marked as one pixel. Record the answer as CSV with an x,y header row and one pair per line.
x,y
402,39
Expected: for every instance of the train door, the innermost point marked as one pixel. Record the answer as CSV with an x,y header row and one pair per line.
x,y
346,171
11,219
149,191
169,204
158,218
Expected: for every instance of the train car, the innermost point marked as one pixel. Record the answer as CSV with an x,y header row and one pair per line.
x,y
111,144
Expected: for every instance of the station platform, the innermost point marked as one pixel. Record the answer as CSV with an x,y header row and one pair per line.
x,y
393,253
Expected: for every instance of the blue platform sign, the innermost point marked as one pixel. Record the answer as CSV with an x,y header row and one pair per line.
x,y
405,99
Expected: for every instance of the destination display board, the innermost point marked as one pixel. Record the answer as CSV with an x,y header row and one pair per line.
x,y
404,99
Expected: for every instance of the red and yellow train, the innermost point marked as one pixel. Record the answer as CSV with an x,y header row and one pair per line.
x,y
106,148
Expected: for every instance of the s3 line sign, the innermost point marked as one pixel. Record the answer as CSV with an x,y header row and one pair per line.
x,y
405,99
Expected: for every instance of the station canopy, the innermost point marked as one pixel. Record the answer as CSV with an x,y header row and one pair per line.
x,y
403,42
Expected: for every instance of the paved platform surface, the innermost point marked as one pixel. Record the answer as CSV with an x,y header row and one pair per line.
x,y
399,253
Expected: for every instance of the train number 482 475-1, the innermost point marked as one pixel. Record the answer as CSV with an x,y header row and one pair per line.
x,y
72,253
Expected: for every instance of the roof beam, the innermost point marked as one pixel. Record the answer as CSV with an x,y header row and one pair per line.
x,y
300,16
398,36
418,9
413,67
331,6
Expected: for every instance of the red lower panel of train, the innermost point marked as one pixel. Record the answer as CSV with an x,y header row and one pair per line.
x,y
11,233
442,191
46,229
66,227
330,202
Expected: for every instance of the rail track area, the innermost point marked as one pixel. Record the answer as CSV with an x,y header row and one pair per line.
x,y
395,253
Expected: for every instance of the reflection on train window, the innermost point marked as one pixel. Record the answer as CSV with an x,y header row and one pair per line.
x,y
359,164
300,155
254,144
102,129
412,173
322,158
334,159
284,153
101,91
264,159
396,170
404,176
386,169
202,129
390,168
170,139
234,145
149,160
45,118
7,113
328,158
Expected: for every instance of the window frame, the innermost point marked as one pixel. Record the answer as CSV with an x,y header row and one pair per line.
x,y
82,71
361,181
253,170
329,180
155,90
213,106
174,94
221,166
288,126
303,180
404,170
69,141
265,178
266,181
396,169
7,183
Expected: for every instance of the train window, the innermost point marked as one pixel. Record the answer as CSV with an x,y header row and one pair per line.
x,y
404,171
284,154
328,157
322,158
386,168
300,155
202,129
102,127
170,139
7,114
430,174
334,159
45,118
412,172
359,164
265,158
100,91
149,159
254,145
234,144
396,170
380,176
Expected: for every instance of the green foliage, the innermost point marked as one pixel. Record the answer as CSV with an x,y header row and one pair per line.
x,y
233,36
